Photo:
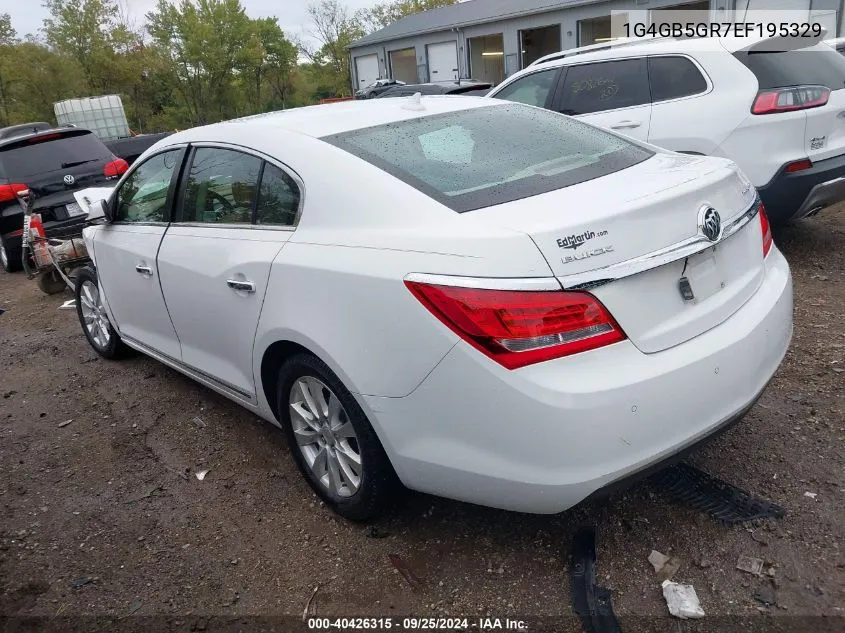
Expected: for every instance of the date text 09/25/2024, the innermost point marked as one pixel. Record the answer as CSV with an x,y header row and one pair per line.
x,y
416,624
723,29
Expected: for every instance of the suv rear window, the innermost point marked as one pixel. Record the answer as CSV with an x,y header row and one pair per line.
x,y
490,155
24,158
819,65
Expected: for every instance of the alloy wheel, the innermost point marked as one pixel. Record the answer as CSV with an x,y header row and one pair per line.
x,y
4,256
94,315
325,436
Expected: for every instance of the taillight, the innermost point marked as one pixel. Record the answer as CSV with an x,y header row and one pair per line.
x,y
115,168
790,99
518,328
10,192
766,228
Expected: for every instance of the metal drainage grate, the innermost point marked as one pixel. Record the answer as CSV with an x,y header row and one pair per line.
x,y
695,488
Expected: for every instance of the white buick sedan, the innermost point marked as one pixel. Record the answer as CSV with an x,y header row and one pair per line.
x,y
478,299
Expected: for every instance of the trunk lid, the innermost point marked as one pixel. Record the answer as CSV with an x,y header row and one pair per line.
x,y
655,205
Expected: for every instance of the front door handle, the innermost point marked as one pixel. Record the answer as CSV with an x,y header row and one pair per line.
x,y
244,286
621,125
144,270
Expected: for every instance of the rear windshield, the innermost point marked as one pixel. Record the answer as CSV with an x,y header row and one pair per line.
x,y
490,155
817,66
24,158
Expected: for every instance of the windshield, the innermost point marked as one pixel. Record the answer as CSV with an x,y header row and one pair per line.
x,y
490,155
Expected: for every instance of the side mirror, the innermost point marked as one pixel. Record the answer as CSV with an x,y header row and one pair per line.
x,y
108,211
100,209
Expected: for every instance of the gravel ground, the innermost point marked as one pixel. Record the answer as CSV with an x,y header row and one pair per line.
x,y
104,517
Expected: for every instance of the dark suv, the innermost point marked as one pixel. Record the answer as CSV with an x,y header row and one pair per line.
x,y
50,164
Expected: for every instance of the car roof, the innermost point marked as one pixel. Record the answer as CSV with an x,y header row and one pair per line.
x,y
332,118
66,130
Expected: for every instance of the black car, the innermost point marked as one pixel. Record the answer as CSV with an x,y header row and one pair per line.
x,y
129,149
463,87
377,87
51,164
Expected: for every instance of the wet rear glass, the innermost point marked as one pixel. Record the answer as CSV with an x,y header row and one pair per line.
x,y
486,156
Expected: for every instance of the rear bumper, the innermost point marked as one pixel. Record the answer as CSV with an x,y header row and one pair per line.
x,y
543,438
804,193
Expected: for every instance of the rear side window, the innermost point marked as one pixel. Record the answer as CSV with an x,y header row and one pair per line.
x,y
674,77
532,89
819,65
604,86
27,158
490,155
221,187
278,198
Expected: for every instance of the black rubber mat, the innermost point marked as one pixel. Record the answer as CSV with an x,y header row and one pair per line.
x,y
688,485
590,602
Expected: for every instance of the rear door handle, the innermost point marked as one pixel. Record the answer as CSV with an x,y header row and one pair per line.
x,y
144,270
621,125
244,286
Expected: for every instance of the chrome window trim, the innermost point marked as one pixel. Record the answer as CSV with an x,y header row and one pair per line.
x,y
684,248
243,149
248,226
487,283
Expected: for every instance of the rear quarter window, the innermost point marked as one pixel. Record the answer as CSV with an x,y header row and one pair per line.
x,y
490,155
818,65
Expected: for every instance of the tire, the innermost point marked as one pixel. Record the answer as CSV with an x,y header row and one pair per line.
x,y
377,482
10,254
89,306
51,283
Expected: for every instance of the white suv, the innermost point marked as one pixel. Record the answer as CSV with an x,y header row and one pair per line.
x,y
775,107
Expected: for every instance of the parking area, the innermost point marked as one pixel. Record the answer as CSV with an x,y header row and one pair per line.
x,y
103,513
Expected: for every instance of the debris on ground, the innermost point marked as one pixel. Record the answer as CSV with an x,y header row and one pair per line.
x,y
664,566
766,595
406,572
81,582
70,304
65,423
682,601
729,504
307,611
198,421
134,607
201,474
589,601
749,564
811,495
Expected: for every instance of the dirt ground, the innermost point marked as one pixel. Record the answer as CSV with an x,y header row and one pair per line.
x,y
103,517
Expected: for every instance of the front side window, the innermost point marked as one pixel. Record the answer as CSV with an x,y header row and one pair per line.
x,y
221,187
143,195
532,89
604,86
480,157
674,77
278,198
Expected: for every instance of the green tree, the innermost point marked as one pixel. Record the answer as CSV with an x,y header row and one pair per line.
x,y
83,30
7,41
335,29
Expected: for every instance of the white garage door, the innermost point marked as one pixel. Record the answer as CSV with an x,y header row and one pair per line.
x,y
366,68
443,61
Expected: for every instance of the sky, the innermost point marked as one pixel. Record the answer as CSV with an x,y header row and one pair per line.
x,y
28,15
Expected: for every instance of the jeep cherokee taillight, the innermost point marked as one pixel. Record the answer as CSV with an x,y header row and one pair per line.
x,y
790,99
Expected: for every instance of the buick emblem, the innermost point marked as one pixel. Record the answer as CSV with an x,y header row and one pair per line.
x,y
709,223
69,180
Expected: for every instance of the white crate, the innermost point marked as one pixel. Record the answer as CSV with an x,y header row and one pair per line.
x,y
102,115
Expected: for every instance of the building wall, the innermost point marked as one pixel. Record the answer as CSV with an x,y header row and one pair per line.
x,y
720,10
